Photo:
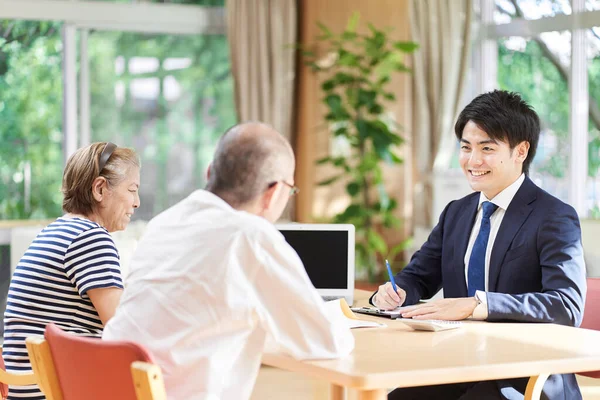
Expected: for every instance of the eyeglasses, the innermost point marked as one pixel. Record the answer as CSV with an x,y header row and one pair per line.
x,y
109,148
294,190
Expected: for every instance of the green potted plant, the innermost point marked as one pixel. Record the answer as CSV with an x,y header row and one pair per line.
x,y
357,69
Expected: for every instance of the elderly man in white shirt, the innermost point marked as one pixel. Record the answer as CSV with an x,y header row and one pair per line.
x,y
212,279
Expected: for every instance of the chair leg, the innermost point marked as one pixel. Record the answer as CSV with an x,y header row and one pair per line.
x,y
535,386
148,381
337,392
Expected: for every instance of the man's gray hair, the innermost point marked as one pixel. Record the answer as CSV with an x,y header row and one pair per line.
x,y
249,157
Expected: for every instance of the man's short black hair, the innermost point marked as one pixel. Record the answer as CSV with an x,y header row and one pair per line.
x,y
505,117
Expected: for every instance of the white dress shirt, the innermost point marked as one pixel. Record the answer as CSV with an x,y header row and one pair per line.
x,y
502,200
208,286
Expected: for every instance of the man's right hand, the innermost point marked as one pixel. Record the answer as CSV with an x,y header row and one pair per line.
x,y
387,299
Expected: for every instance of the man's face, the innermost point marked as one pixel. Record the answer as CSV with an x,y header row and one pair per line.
x,y
490,166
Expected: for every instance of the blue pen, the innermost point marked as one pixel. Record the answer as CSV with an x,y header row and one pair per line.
x,y
387,264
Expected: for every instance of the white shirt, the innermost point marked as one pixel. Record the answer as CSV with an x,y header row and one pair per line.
x,y
502,200
208,285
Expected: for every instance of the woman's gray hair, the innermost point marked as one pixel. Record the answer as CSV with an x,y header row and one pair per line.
x,y
82,169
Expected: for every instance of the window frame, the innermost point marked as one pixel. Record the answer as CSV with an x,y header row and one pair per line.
x,y
486,48
78,18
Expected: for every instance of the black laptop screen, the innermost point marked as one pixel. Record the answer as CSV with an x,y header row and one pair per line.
x,y
324,255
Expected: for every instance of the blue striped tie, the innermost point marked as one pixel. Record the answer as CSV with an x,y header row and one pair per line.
x,y
476,274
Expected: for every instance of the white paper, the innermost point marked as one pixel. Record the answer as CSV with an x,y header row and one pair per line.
x,y
361,323
335,310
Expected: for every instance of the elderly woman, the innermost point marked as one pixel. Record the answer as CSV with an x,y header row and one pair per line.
x,y
70,274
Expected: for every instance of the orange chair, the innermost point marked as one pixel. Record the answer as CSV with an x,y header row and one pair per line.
x,y
71,367
591,315
7,378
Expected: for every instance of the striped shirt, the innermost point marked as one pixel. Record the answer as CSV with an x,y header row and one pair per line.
x,y
50,284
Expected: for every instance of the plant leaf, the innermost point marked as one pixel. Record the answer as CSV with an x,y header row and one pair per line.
x,y
389,221
393,204
400,247
407,47
389,96
375,241
362,127
329,181
326,33
383,80
366,98
338,112
339,161
343,131
384,199
348,59
376,109
328,85
348,35
396,159
402,68
343,78
334,101
353,211
353,188
323,160
353,22
372,28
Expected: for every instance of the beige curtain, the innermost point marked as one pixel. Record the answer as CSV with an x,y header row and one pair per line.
x,y
443,30
261,33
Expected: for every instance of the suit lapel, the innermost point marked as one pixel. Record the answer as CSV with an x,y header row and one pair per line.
x,y
464,225
516,214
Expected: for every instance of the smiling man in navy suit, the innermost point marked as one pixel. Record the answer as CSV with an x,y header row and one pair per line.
x,y
509,252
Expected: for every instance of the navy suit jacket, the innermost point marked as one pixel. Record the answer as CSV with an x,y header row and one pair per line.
x,y
536,272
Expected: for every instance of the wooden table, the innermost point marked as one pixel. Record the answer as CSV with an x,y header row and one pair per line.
x,y
397,356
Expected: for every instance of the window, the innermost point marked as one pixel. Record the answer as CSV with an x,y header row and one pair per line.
x,y
539,72
547,51
506,10
31,156
155,78
170,98
593,67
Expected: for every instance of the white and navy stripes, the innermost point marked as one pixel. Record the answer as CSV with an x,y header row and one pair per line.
x,y
50,284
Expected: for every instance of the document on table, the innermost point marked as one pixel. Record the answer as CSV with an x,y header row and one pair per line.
x,y
393,314
396,312
338,309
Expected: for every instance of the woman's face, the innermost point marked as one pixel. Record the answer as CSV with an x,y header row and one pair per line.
x,y
120,201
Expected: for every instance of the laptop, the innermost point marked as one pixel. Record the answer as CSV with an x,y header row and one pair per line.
x,y
327,252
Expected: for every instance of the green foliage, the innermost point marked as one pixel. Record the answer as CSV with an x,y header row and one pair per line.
x,y
537,79
540,71
358,68
31,114
159,129
543,83
31,110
